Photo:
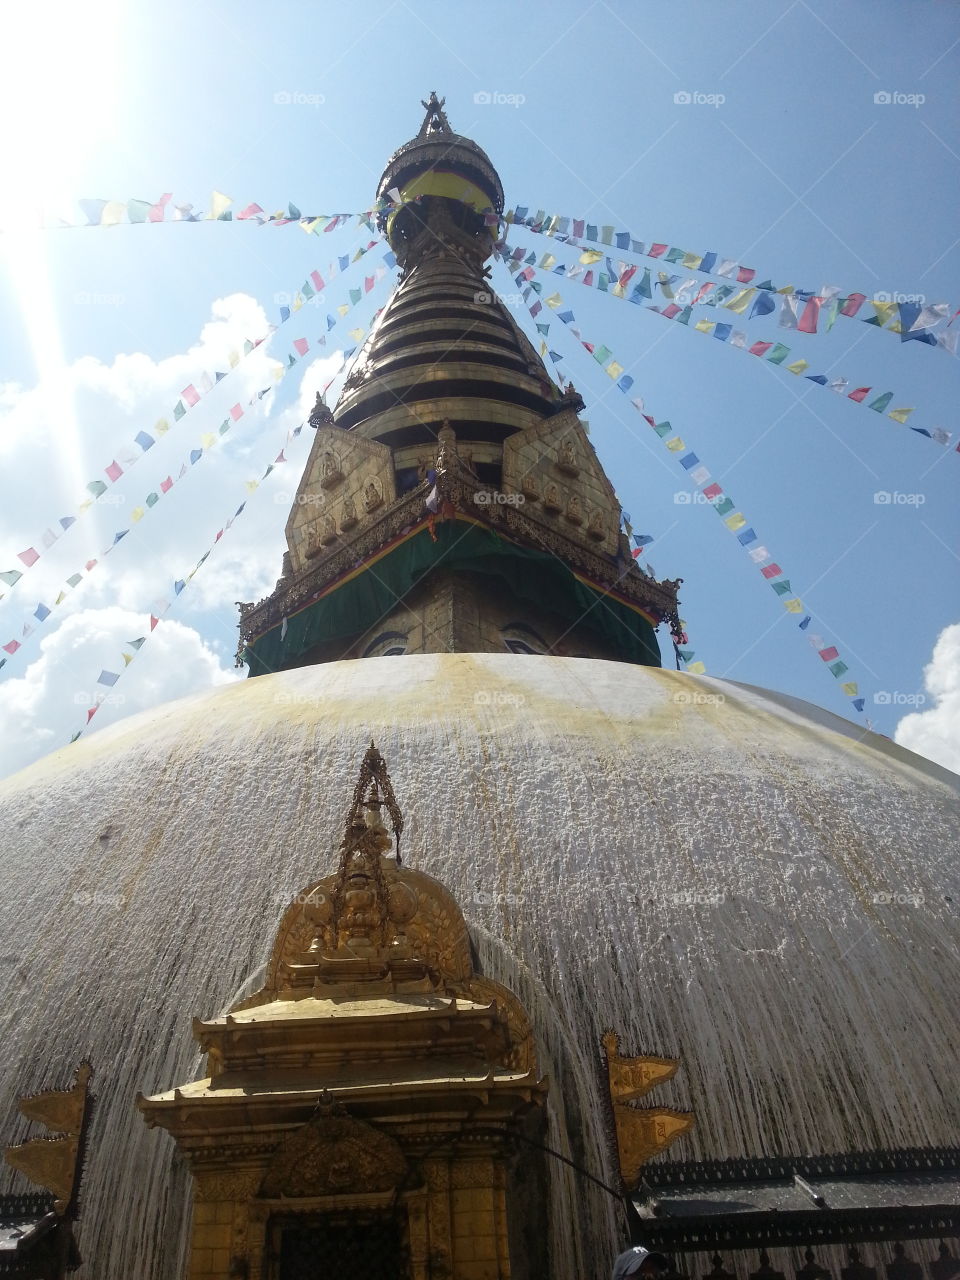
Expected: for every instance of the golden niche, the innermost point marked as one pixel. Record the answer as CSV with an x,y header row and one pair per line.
x,y
374,1071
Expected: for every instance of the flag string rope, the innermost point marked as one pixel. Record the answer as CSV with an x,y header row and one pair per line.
x,y
126,458
207,442
713,492
577,233
771,352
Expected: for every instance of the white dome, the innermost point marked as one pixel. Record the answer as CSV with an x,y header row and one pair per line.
x,y
719,873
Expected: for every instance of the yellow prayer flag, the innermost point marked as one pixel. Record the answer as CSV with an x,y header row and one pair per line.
x,y
311,226
358,255
787,288
61,596
675,445
162,426
83,505
543,347
343,308
885,310
619,291
734,522
798,366
297,303
356,335
705,326
112,214
614,370
137,514
795,605
741,301
234,359
696,668
554,301
547,262
691,261
251,485
850,688
590,256
219,203
900,415
208,440
127,658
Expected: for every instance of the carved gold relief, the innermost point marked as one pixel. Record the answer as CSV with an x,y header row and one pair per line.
x,y
52,1162
333,1154
631,1078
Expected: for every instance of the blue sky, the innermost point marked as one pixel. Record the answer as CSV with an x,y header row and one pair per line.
x,y
798,172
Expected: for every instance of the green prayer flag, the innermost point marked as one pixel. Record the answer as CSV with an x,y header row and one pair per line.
x,y
881,402
778,354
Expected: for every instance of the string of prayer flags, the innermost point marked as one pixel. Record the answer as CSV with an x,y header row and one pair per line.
x,y
190,397
782,355
734,519
162,606
207,442
888,315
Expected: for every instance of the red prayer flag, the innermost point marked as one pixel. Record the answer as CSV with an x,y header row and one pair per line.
x,y
861,393
156,211
760,348
166,485
92,712
368,283
853,304
657,250
90,565
808,321
250,211
745,274
771,571
12,646
301,345
29,557
236,413
114,471
588,278
671,311
153,621
317,279
190,394
712,491
627,275
829,655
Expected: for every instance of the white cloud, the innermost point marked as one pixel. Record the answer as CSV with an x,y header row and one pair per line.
x,y
43,707
936,733
60,434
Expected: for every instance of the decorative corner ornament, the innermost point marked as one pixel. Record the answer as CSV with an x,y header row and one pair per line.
x,y
641,1132
54,1163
